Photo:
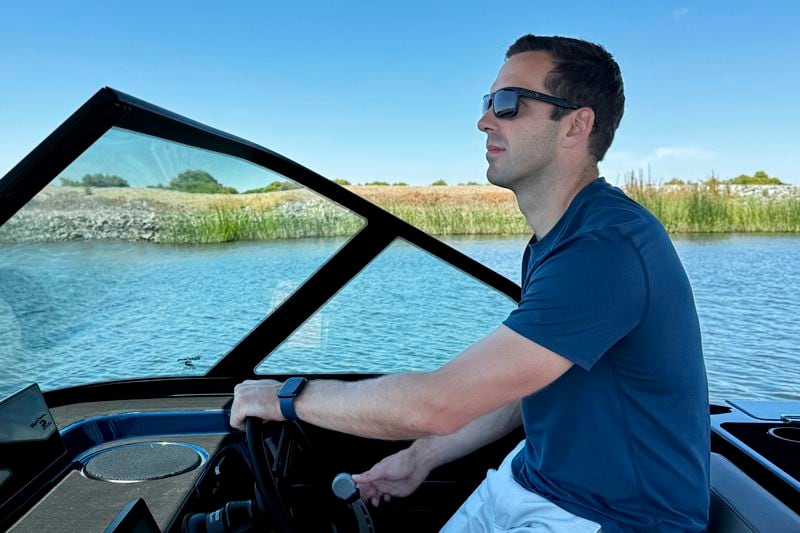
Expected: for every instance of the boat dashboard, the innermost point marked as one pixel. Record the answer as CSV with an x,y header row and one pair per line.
x,y
174,464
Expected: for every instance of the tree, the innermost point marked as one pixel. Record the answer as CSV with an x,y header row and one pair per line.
x,y
759,178
439,183
103,180
96,180
198,181
275,186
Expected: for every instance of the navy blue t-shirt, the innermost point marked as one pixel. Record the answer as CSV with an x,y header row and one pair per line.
x,y
622,438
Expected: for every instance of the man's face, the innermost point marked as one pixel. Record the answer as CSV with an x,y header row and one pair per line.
x,y
522,148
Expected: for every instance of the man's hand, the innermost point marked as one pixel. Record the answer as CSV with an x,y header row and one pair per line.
x,y
257,398
396,475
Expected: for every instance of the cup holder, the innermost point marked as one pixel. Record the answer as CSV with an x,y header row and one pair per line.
x,y
786,433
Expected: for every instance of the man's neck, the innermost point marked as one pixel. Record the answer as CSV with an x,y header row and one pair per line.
x,y
544,201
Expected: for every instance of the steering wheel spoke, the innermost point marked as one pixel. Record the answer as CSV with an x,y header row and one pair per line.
x,y
276,450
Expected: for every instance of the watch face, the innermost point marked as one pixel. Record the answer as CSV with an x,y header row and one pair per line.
x,y
291,387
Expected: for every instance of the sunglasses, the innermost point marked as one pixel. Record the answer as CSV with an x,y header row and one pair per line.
x,y
505,101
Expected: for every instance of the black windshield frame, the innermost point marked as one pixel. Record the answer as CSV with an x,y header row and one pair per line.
x,y
110,108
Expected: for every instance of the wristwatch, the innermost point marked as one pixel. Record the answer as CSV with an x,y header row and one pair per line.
x,y
287,393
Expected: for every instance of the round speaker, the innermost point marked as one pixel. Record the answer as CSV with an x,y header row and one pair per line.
x,y
143,461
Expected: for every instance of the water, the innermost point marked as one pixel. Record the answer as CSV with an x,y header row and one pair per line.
x,y
78,312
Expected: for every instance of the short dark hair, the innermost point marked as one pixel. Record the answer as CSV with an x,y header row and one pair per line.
x,y
583,73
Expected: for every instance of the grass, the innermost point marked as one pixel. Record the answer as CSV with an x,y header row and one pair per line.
x,y
185,218
703,208
228,224
464,210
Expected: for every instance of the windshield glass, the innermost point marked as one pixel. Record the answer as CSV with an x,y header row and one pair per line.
x,y
102,276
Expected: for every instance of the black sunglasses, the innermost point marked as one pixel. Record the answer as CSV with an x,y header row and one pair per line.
x,y
505,101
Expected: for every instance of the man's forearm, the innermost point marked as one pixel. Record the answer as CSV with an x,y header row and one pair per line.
x,y
435,451
495,371
398,406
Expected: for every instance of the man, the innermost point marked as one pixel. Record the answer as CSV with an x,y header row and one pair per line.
x,y
601,361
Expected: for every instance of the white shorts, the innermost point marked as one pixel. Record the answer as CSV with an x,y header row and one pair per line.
x,y
501,504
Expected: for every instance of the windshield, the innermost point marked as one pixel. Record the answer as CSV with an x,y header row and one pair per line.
x,y
149,258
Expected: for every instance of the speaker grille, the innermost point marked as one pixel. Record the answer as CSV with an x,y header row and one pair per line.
x,y
142,461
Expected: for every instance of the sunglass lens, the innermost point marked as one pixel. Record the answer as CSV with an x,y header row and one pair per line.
x,y
505,104
487,103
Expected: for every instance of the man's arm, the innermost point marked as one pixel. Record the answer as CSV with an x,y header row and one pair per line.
x,y
499,369
437,450
401,473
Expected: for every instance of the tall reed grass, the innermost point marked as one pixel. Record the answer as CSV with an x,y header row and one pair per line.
x,y
227,224
715,208
479,210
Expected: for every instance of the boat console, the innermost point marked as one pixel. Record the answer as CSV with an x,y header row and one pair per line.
x,y
755,466
158,464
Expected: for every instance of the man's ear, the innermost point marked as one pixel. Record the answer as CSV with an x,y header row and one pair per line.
x,y
581,123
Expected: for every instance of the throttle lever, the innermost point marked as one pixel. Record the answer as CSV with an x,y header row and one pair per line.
x,y
345,489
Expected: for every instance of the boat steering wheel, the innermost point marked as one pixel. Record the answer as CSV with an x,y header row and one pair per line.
x,y
266,465
270,471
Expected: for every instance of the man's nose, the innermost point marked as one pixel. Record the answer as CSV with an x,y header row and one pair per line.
x,y
487,122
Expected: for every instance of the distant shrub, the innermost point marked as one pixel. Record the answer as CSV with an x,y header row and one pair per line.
x,y
473,183
340,181
381,183
400,184
96,180
275,186
439,183
198,181
759,178
675,181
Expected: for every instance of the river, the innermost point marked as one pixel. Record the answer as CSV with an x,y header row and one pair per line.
x,y
79,312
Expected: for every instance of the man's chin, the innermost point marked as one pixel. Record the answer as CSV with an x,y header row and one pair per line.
x,y
497,178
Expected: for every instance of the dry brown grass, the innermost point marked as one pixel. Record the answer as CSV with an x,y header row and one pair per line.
x,y
184,201
466,195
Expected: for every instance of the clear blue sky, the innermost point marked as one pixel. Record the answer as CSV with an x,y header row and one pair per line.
x,y
391,90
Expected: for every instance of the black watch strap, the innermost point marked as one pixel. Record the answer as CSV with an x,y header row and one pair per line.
x,y
286,395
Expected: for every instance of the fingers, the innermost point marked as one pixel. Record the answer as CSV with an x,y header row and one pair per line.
x,y
364,477
375,500
255,398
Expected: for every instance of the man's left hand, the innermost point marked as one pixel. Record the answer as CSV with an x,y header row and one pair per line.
x,y
257,398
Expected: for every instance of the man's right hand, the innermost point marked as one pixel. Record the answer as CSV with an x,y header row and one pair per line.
x,y
397,475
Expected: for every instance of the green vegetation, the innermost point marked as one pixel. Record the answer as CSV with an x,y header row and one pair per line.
x,y
340,181
198,181
709,207
274,187
400,184
439,183
712,207
230,223
96,180
380,183
454,219
759,178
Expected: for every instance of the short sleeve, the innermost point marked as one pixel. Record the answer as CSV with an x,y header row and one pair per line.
x,y
583,297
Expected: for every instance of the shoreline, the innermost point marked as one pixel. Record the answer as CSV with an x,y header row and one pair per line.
x,y
162,216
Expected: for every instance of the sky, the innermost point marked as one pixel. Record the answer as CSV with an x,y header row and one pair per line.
x,y
391,91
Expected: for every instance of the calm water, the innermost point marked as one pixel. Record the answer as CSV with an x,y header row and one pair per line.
x,y
79,312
